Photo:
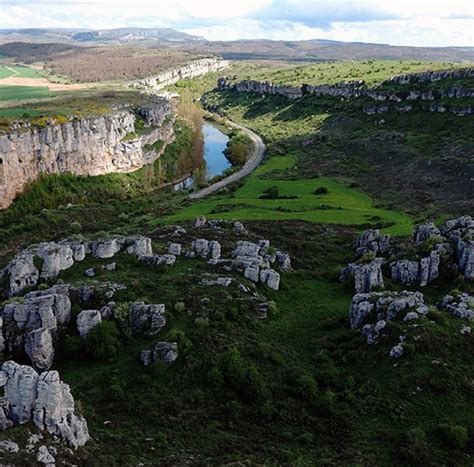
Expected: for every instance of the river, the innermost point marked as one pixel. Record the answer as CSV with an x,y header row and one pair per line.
x,y
215,142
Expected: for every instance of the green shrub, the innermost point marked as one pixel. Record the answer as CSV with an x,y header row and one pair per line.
x,y
454,436
184,344
322,190
103,341
271,193
307,387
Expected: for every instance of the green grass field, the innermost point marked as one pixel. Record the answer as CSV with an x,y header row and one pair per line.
x,y
341,205
19,93
19,71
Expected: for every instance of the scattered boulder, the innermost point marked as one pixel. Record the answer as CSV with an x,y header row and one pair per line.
x,y
164,351
23,272
461,306
105,248
239,228
200,222
222,281
284,261
270,278
429,268
56,257
9,446
88,320
175,249
396,351
138,246
147,318
465,330
158,260
45,456
205,248
373,311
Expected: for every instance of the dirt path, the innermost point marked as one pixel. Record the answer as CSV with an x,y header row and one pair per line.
x,y
252,163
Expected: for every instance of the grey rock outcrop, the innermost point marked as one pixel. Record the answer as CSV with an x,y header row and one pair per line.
x,y
45,457
83,146
270,278
373,311
424,231
461,306
32,325
221,281
56,257
105,248
164,351
147,318
366,276
23,272
175,249
372,241
138,246
157,260
192,69
405,271
39,347
53,410
88,320
206,248
200,222
239,228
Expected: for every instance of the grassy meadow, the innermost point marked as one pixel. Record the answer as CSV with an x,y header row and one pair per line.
x,y
298,200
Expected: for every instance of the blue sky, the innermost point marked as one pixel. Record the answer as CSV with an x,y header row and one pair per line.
x,y
402,22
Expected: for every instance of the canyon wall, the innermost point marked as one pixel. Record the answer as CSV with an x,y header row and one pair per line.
x,y
192,69
82,146
353,89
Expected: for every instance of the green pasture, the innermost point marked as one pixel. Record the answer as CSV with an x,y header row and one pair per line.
x,y
19,93
340,205
18,70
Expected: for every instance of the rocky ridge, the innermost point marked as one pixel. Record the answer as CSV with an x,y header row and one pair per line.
x,y
355,89
191,70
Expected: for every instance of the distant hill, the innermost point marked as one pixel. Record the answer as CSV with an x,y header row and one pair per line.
x,y
101,36
261,49
316,50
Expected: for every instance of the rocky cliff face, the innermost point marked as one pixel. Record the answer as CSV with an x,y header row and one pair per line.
x,y
82,146
196,68
354,89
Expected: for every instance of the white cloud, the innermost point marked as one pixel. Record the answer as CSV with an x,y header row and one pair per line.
x,y
401,22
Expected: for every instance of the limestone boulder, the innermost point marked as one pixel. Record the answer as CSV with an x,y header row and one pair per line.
x,y
105,248
424,231
88,320
138,246
146,318
56,257
372,241
404,271
22,272
165,351
175,249
39,347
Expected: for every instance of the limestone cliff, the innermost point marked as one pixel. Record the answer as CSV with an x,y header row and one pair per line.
x,y
354,89
196,68
82,146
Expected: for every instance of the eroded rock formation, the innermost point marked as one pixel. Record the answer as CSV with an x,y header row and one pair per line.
x,y
43,399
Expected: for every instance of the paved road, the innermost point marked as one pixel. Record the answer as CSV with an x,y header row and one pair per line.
x,y
252,163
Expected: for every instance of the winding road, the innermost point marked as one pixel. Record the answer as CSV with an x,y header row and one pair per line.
x,y
252,163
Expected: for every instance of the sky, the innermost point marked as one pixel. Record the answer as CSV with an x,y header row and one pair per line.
x,y
396,22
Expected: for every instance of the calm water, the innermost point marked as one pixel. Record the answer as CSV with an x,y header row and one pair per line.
x,y
215,143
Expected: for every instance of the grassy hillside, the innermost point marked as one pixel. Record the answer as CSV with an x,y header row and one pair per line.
x,y
371,71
